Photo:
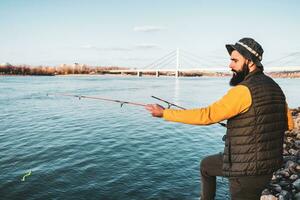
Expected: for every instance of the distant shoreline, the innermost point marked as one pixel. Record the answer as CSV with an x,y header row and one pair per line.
x,y
278,74
84,70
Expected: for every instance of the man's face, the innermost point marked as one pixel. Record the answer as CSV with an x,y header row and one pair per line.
x,y
238,67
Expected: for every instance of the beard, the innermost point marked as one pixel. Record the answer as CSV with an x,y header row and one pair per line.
x,y
239,76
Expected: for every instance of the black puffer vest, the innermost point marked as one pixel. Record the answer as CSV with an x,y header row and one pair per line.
x,y
254,140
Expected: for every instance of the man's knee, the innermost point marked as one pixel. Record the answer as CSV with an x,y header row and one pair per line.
x,y
204,164
211,165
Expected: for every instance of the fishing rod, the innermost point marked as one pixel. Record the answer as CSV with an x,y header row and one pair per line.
x,y
169,103
100,98
124,102
172,104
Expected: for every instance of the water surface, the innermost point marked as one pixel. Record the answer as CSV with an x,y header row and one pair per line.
x,y
88,149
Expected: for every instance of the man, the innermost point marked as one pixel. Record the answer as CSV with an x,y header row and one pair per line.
x,y
257,117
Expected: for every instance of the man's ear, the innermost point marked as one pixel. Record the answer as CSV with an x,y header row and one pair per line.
x,y
250,64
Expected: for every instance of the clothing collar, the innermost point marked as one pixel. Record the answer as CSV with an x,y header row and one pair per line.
x,y
254,72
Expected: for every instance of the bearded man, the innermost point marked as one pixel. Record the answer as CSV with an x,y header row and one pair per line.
x,y
257,116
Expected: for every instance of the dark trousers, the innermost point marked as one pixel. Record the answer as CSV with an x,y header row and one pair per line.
x,y
241,188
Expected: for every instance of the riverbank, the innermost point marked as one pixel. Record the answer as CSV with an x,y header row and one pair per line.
x,y
82,69
283,74
285,183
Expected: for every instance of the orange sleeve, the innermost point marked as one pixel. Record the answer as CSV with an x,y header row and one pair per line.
x,y
237,100
290,119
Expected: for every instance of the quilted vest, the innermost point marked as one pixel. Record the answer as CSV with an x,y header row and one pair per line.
x,y
254,139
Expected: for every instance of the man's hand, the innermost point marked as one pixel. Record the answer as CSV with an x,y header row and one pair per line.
x,y
155,110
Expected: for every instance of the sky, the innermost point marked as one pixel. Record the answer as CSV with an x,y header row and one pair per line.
x,y
135,33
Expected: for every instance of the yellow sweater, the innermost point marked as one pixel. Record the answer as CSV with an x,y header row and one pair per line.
x,y
237,100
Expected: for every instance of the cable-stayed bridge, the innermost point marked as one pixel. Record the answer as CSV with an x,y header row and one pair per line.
x,y
181,61
175,62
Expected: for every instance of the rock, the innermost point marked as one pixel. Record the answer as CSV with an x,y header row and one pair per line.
x,y
283,173
298,168
284,195
293,170
296,184
297,196
289,157
290,164
268,197
289,140
293,152
277,188
293,177
266,192
285,152
278,176
297,144
284,184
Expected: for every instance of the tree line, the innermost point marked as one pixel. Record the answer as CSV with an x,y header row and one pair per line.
x,y
52,71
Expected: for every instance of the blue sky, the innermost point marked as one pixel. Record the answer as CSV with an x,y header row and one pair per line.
x,y
134,33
